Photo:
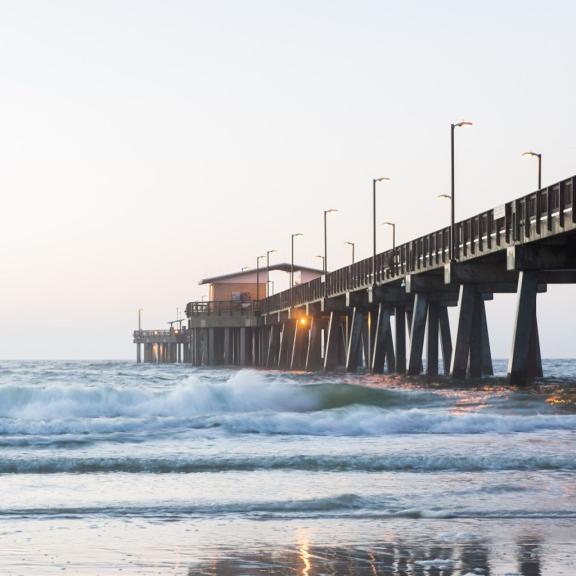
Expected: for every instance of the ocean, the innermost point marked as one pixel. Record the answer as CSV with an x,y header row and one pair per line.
x,y
112,467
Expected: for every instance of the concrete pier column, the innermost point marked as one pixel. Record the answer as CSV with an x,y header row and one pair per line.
x,y
300,331
353,352
255,358
487,368
417,333
227,345
286,343
343,338
243,347
401,339
432,339
332,336
195,347
273,345
368,331
390,355
525,355
382,330
138,353
475,357
445,338
313,352
461,354
211,348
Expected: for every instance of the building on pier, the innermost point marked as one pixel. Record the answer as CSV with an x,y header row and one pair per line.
x,y
222,331
343,320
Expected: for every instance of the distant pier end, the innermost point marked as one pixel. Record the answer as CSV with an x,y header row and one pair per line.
x,y
342,319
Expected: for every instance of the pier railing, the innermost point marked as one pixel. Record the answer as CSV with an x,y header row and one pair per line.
x,y
222,308
522,220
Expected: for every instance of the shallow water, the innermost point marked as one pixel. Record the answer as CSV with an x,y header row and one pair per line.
x,y
149,469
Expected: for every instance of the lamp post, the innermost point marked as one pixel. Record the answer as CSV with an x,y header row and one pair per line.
x,y
374,182
140,310
258,276
353,248
271,283
292,258
448,197
268,252
452,196
539,157
326,212
325,261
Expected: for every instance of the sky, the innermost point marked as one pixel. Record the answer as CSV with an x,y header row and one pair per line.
x,y
145,145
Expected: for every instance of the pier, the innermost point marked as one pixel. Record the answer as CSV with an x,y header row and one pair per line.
x,y
342,319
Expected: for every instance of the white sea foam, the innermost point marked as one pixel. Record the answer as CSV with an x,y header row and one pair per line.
x,y
247,403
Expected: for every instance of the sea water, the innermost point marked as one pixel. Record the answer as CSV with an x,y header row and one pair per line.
x,y
111,467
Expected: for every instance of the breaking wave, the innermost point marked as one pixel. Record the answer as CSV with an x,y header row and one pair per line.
x,y
338,506
246,403
394,462
246,391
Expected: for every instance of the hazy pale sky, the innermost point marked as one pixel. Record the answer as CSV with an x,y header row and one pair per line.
x,y
147,144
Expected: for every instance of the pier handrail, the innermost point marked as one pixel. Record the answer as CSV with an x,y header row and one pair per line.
x,y
221,307
508,224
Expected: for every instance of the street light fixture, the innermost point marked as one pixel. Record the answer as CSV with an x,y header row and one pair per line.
x,y
452,197
322,258
539,157
374,182
326,212
292,258
353,248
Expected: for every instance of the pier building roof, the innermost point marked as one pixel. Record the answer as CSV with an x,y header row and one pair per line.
x,y
284,267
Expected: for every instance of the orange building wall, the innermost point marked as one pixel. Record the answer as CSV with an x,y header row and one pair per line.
x,y
223,292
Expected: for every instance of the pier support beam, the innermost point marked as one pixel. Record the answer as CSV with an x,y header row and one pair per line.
x,y
472,347
525,361
445,339
286,343
401,339
487,368
417,333
273,346
354,340
381,334
465,318
138,357
243,347
297,353
390,356
313,353
432,339
332,336
211,348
